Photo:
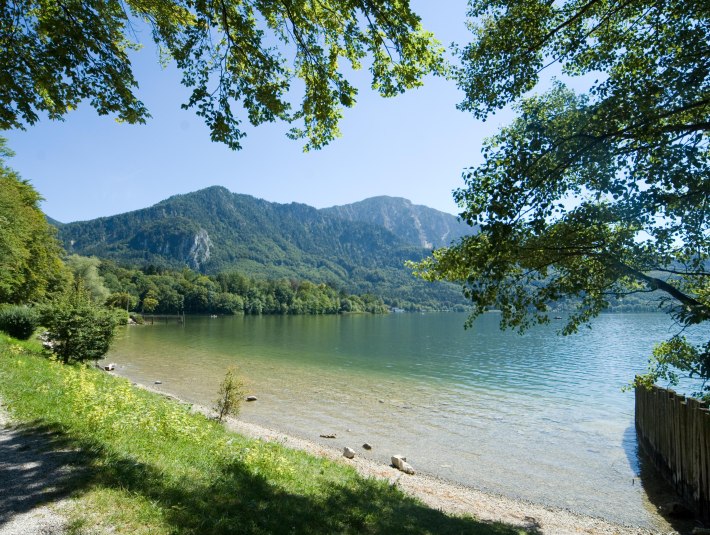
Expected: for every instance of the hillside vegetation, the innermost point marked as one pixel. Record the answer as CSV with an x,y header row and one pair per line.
x,y
214,230
153,290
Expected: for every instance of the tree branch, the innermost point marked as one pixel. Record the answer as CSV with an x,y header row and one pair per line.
x,y
660,284
563,24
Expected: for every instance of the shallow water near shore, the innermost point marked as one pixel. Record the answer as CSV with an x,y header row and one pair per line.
x,y
537,417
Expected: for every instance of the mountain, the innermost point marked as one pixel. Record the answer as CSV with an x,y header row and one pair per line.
x,y
53,222
215,230
415,224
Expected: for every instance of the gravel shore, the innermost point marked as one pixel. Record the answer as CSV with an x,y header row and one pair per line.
x,y
452,498
445,495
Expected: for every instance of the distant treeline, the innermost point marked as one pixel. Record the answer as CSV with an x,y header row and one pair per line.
x,y
162,291
159,290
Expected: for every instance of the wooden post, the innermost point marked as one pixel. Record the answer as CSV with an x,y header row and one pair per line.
x,y
675,433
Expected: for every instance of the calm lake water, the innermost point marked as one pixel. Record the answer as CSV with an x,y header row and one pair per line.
x,y
539,417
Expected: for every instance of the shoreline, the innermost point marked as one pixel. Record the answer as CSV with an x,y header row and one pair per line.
x,y
437,493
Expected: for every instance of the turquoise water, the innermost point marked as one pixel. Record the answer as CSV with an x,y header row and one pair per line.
x,y
538,417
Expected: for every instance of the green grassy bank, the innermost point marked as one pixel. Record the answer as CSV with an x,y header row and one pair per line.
x,y
146,464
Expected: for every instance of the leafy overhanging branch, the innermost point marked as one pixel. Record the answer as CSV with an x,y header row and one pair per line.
x,y
232,55
587,197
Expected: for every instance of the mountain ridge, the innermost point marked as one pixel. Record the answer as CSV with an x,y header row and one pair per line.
x,y
419,224
214,229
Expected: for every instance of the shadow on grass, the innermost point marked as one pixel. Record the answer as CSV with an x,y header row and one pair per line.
x,y
38,464
238,501
241,502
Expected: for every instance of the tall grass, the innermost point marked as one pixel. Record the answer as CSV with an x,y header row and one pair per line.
x,y
149,465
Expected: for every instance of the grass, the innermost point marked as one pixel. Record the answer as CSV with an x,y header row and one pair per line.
x,y
146,464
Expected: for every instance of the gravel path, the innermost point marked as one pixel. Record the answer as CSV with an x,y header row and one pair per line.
x,y
34,474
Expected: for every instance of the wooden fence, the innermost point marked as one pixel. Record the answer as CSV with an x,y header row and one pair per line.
x,y
674,431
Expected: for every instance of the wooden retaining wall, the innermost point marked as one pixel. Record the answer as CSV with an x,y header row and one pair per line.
x,y
674,431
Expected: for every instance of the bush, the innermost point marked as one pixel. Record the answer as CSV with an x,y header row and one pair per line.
x,y
18,321
137,318
231,391
121,316
77,327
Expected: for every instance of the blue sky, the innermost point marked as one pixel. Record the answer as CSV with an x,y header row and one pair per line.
x,y
412,146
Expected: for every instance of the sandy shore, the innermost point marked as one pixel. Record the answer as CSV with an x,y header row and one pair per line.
x,y
441,494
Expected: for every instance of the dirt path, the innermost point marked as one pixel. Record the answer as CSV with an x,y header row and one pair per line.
x,y
35,472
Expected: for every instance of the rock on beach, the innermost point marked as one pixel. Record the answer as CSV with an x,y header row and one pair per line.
x,y
400,463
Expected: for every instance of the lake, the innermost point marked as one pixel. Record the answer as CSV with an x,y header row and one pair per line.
x,y
537,417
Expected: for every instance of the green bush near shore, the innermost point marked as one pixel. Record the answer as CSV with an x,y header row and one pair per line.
x,y
146,464
19,321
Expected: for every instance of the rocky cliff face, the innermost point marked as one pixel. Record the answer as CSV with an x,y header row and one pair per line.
x,y
415,224
200,251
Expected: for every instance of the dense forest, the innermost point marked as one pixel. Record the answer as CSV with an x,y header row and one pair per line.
x,y
152,289
163,291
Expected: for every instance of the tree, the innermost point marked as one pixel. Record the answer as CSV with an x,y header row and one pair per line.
x,y
232,54
121,300
596,195
78,328
30,264
86,270
150,302
229,397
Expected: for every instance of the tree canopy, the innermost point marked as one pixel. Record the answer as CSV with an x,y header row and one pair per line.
x,y
78,328
30,264
596,195
239,59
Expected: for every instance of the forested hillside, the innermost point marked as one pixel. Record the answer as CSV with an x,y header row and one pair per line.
x,y
214,231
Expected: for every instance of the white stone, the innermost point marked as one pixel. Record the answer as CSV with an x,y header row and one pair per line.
x,y
348,452
400,463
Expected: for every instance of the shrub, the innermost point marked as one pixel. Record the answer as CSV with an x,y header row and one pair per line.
x,y
77,327
121,317
137,318
231,391
18,321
